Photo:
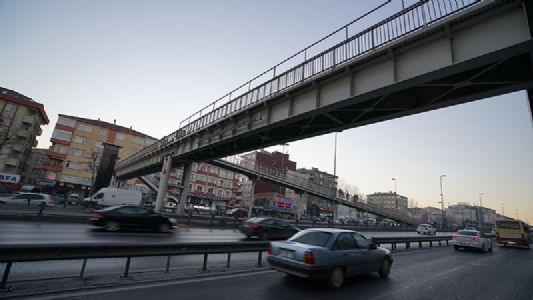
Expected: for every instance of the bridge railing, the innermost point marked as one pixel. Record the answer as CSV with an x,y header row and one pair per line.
x,y
399,25
303,183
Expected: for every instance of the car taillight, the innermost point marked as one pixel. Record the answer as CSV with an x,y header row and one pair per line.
x,y
309,258
269,249
455,236
255,226
96,216
474,238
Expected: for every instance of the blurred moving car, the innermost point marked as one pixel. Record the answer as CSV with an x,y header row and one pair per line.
x,y
331,254
513,233
237,212
268,228
28,199
129,216
425,229
472,239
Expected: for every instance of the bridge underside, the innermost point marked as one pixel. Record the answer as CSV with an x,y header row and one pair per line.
x,y
481,54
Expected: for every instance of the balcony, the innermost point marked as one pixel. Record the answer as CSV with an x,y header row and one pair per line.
x,y
30,120
18,148
57,155
35,143
51,168
39,131
23,134
13,162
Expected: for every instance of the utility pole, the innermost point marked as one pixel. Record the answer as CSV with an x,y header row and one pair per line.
x,y
503,214
335,176
93,168
482,221
395,194
442,202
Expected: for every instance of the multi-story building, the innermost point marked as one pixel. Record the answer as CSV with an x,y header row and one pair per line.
x,y
316,205
388,200
276,160
77,145
20,123
434,215
463,214
210,185
35,171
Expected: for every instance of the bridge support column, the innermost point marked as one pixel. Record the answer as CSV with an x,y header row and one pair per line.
x,y
163,184
530,98
251,203
186,179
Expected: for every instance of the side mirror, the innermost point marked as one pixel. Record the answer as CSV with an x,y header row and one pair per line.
x,y
372,246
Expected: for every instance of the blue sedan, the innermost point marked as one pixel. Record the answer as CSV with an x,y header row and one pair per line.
x,y
330,254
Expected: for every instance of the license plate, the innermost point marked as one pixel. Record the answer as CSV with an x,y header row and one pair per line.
x,y
286,253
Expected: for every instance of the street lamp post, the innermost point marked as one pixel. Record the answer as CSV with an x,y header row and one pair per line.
x,y
335,176
517,214
503,213
442,201
482,221
395,193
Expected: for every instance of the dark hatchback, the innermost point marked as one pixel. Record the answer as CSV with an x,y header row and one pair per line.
x,y
133,217
268,228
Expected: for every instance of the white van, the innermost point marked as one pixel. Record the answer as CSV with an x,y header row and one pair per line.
x,y
112,196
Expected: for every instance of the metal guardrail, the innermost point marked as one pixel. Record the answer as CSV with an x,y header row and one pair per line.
x,y
401,24
41,252
24,253
394,241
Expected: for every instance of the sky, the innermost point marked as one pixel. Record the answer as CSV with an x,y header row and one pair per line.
x,y
150,64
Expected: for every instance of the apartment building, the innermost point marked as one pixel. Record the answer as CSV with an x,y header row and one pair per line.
x,y
389,200
77,146
20,123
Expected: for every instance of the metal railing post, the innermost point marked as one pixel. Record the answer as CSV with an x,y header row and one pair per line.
x,y
204,267
260,259
127,269
83,268
6,275
167,267
228,262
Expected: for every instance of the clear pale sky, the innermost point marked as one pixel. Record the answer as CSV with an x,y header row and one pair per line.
x,y
149,64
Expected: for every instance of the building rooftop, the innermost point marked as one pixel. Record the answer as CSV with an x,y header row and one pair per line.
x,y
15,97
109,126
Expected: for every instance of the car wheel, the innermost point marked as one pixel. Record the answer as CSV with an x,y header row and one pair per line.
x,y
336,278
418,232
385,269
265,236
455,247
164,227
112,226
490,249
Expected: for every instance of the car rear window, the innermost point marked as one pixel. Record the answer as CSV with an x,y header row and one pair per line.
x,y
315,238
507,225
470,233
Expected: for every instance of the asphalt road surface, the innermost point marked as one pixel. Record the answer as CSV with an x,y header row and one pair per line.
x,y
439,273
13,232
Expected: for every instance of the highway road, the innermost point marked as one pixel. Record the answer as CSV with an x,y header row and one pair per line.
x,y
438,273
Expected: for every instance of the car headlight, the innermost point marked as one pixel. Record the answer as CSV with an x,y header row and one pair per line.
x,y
172,220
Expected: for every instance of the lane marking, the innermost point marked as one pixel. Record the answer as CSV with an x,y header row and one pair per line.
x,y
148,285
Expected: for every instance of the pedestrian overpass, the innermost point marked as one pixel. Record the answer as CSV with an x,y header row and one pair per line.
x,y
430,55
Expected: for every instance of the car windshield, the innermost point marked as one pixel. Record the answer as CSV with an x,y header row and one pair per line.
x,y
469,233
315,238
508,224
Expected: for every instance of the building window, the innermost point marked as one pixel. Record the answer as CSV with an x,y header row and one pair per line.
x,y
214,170
66,122
199,188
120,136
226,193
10,107
85,127
221,182
77,152
69,178
222,173
62,135
80,140
138,140
219,192
103,131
73,165
60,149
201,178
212,180
99,144
203,167
87,181
210,190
